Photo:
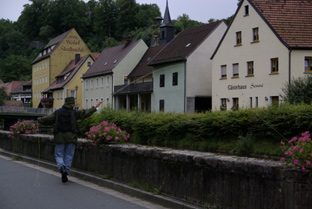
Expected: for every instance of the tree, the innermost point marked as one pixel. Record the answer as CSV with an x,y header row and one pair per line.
x,y
299,90
126,16
184,22
146,15
105,19
3,96
15,68
33,17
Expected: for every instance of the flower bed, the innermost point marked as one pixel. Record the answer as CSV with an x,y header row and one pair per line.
x,y
106,133
298,151
25,127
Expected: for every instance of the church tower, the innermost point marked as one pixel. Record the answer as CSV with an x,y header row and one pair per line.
x,y
166,28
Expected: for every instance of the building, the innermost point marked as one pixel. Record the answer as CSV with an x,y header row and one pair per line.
x,y
22,93
110,69
137,91
53,59
182,70
267,44
68,83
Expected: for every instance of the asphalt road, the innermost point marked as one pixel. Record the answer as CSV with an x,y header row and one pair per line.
x,y
27,186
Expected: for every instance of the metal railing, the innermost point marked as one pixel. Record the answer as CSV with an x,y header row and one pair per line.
x,y
27,110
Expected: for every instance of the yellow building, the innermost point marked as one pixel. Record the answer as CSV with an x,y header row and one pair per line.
x,y
69,82
53,59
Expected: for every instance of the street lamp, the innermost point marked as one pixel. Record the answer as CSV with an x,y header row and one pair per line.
x,y
76,88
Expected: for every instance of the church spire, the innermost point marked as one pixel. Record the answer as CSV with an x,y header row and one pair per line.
x,y
166,28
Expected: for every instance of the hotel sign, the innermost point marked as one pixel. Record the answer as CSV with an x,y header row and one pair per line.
x,y
242,87
73,45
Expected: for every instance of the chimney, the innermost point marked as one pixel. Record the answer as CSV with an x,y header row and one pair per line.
x,y
126,41
77,58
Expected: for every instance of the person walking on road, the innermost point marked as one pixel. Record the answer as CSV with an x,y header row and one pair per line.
x,y
65,132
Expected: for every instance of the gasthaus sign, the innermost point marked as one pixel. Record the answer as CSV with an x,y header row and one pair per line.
x,y
242,87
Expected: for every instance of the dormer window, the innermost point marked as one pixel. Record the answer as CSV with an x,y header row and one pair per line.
x,y
246,10
105,64
115,61
66,76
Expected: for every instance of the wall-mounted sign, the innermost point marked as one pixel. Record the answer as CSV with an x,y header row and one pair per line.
x,y
242,87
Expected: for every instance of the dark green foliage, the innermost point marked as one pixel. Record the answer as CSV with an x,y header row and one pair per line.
x,y
299,90
101,24
204,131
3,96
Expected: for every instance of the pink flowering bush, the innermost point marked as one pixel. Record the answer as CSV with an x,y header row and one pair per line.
x,y
298,151
106,133
25,127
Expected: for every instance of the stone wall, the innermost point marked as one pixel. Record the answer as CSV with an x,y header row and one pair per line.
x,y
195,177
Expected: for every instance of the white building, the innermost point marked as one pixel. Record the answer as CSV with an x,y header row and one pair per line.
x,y
267,44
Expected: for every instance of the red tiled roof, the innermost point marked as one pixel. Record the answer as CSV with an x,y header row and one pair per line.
x,y
72,69
290,19
143,68
10,86
109,59
13,103
184,44
19,88
96,55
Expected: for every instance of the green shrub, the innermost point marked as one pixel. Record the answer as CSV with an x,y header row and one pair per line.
x,y
205,131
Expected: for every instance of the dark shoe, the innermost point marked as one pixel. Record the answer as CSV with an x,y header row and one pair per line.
x,y
64,174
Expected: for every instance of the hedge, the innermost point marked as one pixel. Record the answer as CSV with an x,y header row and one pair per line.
x,y
273,123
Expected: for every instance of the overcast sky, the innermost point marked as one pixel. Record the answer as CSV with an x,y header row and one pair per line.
x,y
200,10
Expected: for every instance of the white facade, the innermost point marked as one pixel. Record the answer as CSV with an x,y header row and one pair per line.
x,y
234,81
101,88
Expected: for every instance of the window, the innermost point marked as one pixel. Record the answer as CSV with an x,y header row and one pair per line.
x,y
308,64
274,65
72,93
89,64
46,78
235,70
107,81
250,102
161,105
102,82
91,84
35,68
275,100
257,102
162,81
239,38
102,101
246,10
86,84
250,68
255,34
91,102
46,63
125,80
223,71
97,83
223,104
175,79
235,104
86,103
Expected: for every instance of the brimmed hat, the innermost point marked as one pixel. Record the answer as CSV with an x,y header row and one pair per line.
x,y
69,100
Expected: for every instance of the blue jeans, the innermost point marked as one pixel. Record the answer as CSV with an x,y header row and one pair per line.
x,y
64,154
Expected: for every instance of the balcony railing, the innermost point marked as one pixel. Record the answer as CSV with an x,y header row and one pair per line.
x,y
27,110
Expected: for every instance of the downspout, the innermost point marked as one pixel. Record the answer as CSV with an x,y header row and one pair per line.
x,y
289,65
113,90
184,86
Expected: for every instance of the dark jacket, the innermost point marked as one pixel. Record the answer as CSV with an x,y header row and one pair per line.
x,y
66,133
